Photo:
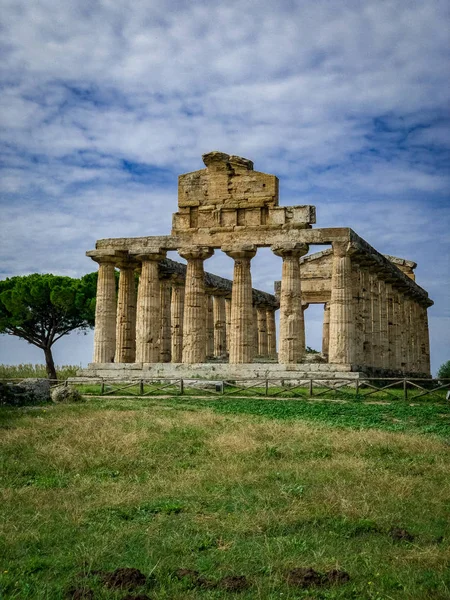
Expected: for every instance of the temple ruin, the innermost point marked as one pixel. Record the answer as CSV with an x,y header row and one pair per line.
x,y
183,320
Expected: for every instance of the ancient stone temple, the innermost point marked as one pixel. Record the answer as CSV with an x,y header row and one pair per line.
x,y
178,318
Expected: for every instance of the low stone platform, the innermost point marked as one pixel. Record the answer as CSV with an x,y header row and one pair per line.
x,y
217,371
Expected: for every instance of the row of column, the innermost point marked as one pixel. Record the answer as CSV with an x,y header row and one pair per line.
x,y
168,320
372,320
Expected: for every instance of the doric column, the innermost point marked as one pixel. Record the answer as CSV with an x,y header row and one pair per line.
x,y
219,326
397,330
384,337
326,329
255,331
209,326
292,325
390,362
341,308
425,341
105,311
227,322
375,317
403,333
366,312
262,331
358,309
166,328
176,321
194,321
126,314
271,333
148,309
241,331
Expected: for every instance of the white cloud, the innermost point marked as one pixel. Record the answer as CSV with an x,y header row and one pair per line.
x,y
344,101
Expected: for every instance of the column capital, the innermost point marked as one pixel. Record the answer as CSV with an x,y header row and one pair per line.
x,y
239,252
107,256
295,249
145,255
196,252
341,249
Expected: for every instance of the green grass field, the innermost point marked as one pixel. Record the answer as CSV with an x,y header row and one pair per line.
x,y
225,487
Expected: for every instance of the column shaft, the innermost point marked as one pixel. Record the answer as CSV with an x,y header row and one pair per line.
x,y
341,308
105,314
228,322
209,326
219,326
326,329
242,330
126,316
383,315
292,325
176,321
148,311
271,333
194,321
166,328
262,331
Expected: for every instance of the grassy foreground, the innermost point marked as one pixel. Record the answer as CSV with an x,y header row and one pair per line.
x,y
227,488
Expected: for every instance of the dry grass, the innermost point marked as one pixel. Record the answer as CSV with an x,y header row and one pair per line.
x,y
131,484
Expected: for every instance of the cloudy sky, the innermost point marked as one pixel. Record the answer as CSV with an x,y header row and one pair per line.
x,y
105,102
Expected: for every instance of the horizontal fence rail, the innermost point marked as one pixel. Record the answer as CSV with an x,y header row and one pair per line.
x,y
393,388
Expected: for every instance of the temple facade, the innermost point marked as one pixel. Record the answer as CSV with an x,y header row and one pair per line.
x,y
375,314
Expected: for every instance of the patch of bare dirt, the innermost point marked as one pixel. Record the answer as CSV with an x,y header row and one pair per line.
x,y
233,583
400,535
230,583
125,578
81,593
138,597
305,577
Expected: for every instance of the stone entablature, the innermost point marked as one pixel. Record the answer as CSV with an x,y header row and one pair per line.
x,y
375,314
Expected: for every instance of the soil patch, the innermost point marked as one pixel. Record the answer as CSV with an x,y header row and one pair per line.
x,y
194,578
82,593
125,578
233,583
400,535
305,577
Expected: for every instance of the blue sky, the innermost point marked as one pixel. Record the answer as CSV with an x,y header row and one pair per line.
x,y
104,103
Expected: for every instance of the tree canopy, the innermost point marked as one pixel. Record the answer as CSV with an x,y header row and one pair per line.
x,y
444,370
41,309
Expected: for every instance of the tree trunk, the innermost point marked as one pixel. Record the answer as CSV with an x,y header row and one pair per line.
x,y
49,364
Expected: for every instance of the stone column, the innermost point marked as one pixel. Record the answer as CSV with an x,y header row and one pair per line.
x,y
262,331
241,331
383,315
194,320
255,331
126,315
403,327
358,309
148,309
425,341
397,330
166,328
366,312
271,333
326,329
341,308
292,325
219,326
209,326
227,322
390,362
105,311
375,314
176,321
